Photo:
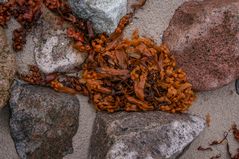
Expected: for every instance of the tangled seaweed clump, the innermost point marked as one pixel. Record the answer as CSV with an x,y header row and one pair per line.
x,y
135,75
119,74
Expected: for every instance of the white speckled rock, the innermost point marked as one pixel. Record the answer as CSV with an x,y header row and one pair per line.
x,y
47,46
150,135
105,14
53,49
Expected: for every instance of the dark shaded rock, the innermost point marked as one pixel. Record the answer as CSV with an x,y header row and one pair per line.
x,y
204,38
42,121
7,69
151,135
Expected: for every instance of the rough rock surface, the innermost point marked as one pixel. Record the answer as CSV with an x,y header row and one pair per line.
x,y
7,69
204,38
42,121
105,14
143,135
53,49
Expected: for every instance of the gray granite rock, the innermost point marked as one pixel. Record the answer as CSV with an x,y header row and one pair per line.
x,y
150,135
105,14
204,38
42,121
7,68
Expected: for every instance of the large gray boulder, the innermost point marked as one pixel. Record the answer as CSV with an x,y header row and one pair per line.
x,y
150,135
7,69
42,121
204,38
105,14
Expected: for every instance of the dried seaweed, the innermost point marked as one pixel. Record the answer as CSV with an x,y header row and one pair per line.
x,y
34,77
218,142
237,86
208,119
112,75
215,157
200,148
26,12
235,132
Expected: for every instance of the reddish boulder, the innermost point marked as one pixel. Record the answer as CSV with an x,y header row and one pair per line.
x,y
204,38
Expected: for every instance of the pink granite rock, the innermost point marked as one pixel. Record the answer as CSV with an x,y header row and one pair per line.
x,y
204,38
